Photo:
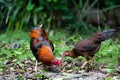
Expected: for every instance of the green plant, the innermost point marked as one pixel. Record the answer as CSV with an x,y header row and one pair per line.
x,y
68,14
109,52
21,14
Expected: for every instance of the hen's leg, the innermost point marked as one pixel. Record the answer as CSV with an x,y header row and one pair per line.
x,y
90,64
36,65
84,64
92,60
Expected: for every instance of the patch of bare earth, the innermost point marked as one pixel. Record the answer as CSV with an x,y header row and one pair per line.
x,y
24,70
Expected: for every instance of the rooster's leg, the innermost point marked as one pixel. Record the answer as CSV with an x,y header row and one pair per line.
x,y
83,66
36,66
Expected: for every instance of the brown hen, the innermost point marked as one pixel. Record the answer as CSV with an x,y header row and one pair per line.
x,y
88,47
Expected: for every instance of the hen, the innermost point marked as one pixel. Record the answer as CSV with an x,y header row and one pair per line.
x,y
42,48
88,47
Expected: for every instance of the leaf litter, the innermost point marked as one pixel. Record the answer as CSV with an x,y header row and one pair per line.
x,y
24,70
14,69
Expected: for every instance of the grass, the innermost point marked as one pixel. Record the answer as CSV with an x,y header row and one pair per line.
x,y
108,53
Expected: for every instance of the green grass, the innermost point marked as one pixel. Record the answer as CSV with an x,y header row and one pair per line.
x,y
6,41
108,53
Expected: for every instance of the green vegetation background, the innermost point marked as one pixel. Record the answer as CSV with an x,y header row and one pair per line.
x,y
61,22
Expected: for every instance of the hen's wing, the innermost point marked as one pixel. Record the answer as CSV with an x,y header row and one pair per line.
x,y
84,46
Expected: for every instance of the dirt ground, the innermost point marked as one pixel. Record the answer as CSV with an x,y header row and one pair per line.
x,y
24,70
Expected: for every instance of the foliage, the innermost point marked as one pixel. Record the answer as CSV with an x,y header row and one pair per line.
x,y
14,46
110,49
19,14
19,58
112,3
69,14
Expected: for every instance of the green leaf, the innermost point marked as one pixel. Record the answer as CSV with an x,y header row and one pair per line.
x,y
39,8
35,19
17,52
30,6
1,69
49,0
55,0
61,6
107,78
20,77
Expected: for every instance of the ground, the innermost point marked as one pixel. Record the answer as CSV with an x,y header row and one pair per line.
x,y
17,63
25,71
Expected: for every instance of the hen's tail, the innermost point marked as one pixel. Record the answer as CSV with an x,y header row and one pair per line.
x,y
107,34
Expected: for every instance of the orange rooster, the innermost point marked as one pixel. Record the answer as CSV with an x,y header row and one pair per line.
x,y
42,48
88,47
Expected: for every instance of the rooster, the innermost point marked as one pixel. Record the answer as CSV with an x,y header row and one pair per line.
x,y
42,48
88,47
